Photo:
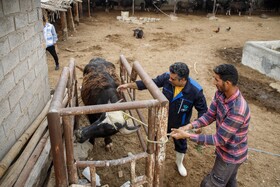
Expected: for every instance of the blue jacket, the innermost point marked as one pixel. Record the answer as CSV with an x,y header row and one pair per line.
x,y
180,107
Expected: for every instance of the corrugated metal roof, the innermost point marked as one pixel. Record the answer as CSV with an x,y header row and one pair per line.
x,y
57,5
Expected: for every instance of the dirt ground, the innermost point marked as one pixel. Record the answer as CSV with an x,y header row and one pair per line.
x,y
190,39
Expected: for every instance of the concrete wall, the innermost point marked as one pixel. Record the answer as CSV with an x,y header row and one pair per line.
x,y
263,56
24,89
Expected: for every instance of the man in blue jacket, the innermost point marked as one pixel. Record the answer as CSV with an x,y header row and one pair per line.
x,y
183,94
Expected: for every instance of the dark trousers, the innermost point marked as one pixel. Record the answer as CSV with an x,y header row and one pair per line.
x,y
52,51
222,175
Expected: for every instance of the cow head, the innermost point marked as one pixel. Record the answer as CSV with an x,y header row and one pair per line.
x,y
108,124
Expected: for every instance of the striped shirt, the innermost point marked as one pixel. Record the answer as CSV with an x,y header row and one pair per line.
x,y
232,118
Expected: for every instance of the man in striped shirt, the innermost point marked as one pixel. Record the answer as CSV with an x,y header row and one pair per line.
x,y
232,115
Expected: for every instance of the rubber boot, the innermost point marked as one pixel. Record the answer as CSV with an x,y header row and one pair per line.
x,y
179,162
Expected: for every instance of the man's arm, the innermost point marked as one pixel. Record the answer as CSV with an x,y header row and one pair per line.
x,y
200,104
122,87
54,35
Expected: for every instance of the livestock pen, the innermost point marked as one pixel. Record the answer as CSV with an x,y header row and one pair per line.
x,y
61,131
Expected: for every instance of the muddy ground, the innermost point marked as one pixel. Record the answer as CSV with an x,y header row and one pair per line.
x,y
189,38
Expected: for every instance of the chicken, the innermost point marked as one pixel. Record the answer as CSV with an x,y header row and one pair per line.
x,y
217,30
228,29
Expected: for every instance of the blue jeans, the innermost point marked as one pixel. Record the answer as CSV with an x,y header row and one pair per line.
x,y
222,175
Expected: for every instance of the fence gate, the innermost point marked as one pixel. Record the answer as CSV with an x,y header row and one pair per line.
x,y
63,121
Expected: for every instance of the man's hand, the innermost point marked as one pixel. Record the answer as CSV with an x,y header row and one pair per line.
x,y
186,127
122,87
179,134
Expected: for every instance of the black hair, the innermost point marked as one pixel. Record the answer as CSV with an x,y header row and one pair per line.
x,y
44,19
227,72
181,69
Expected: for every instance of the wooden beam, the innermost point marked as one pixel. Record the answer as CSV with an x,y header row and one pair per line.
x,y
40,170
63,26
70,21
32,161
12,174
76,13
17,147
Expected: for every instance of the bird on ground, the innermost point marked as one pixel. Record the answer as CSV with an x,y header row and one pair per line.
x,y
228,29
217,30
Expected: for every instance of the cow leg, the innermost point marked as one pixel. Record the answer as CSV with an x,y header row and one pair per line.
x,y
108,143
92,141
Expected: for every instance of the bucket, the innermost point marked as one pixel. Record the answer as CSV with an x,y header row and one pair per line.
x,y
125,14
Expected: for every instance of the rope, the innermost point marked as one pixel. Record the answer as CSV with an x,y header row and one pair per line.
x,y
127,115
157,142
261,151
161,11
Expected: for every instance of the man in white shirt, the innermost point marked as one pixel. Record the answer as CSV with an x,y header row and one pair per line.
x,y
50,38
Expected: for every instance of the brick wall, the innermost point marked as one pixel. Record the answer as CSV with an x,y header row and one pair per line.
x,y
24,88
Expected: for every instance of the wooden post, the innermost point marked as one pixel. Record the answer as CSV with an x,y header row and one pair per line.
x,y
68,133
88,8
161,124
80,4
70,22
76,13
64,26
57,149
133,5
150,160
214,8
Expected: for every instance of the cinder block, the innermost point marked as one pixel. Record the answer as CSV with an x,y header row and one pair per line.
x,y
32,16
20,71
10,122
35,107
6,142
40,14
16,94
36,43
23,124
41,68
26,100
33,60
1,72
4,109
11,6
7,25
21,20
4,46
15,39
6,85
25,49
1,10
10,61
29,79
29,31
25,5
38,27
36,4
41,52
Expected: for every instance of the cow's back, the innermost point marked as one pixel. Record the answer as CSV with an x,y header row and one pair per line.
x,y
100,83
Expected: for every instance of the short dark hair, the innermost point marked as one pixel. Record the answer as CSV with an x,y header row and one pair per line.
x,y
227,72
44,19
181,69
